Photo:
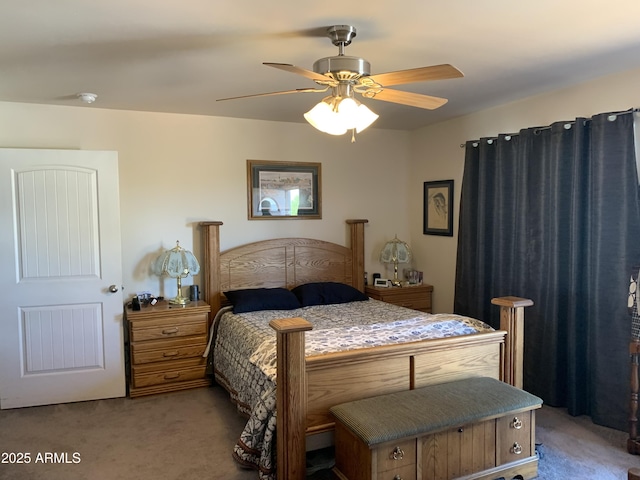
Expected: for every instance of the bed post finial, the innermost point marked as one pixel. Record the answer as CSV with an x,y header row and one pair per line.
x,y
357,252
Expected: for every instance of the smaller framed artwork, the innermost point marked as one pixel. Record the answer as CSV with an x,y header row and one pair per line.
x,y
283,190
438,208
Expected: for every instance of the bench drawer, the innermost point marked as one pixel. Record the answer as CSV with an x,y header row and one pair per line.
x,y
408,472
515,437
396,455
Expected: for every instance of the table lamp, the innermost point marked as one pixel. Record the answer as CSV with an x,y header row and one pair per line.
x,y
177,263
395,251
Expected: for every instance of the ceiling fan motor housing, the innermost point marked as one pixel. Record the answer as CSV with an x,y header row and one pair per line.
x,y
342,67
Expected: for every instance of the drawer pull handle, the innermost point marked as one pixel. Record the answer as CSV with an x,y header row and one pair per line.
x,y
517,448
171,376
169,331
397,454
516,423
170,354
397,477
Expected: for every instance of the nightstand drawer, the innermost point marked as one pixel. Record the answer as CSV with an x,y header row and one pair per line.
x,y
162,351
410,300
169,328
416,297
179,371
140,347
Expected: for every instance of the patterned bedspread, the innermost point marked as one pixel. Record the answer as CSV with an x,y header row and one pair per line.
x,y
244,356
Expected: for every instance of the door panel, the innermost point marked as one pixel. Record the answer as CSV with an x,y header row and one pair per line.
x,y
60,200
62,337
61,333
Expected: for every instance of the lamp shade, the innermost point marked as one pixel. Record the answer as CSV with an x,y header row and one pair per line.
x,y
177,263
324,118
337,115
395,251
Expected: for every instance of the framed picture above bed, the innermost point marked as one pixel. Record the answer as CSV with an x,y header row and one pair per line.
x,y
283,190
438,208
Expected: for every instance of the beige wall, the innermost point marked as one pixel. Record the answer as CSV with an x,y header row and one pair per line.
x,y
436,155
177,170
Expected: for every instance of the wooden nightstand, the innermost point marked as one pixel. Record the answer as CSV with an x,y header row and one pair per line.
x,y
166,343
417,297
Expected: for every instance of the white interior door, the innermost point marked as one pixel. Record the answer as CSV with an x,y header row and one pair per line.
x,y
61,334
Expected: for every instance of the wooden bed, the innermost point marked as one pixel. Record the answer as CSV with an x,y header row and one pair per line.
x,y
307,388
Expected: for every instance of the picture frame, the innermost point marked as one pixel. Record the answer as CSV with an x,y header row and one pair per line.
x,y
284,190
438,208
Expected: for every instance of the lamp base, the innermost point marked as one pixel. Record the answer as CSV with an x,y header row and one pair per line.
x,y
179,300
396,281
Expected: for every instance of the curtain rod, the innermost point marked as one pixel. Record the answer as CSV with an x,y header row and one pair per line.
x,y
567,125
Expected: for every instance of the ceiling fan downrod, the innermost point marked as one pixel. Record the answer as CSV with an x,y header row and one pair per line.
x,y
341,36
341,67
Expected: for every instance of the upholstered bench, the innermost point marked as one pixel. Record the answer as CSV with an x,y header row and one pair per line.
x,y
477,428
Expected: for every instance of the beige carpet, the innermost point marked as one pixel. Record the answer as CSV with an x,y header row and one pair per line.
x,y
185,435
190,435
575,448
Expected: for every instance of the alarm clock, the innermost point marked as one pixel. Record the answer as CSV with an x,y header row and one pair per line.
x,y
381,282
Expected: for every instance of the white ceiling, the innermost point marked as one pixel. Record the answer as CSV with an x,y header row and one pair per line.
x,y
181,56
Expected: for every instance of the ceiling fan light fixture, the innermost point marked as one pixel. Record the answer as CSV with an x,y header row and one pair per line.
x,y
337,115
365,117
348,110
323,117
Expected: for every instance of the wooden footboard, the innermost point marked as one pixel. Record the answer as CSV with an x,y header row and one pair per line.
x,y
306,388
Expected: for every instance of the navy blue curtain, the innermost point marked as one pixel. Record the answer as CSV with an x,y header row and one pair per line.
x,y
552,214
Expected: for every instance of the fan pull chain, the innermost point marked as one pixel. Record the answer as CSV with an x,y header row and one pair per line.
x,y
353,135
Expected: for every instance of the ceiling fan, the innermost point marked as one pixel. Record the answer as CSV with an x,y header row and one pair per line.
x,y
346,76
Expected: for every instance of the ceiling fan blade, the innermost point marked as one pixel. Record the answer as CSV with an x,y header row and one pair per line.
x,y
297,90
300,71
407,98
422,74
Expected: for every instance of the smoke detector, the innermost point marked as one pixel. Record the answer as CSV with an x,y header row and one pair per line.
x,y
87,97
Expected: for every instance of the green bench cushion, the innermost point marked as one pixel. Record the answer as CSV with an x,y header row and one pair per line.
x,y
425,410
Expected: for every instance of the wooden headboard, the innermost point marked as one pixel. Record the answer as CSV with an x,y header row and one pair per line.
x,y
279,262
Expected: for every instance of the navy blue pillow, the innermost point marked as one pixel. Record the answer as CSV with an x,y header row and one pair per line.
x,y
254,299
326,293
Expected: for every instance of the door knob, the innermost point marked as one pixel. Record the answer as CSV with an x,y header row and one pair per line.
x,y
113,288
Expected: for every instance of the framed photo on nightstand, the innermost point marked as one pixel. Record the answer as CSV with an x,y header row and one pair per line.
x,y
381,282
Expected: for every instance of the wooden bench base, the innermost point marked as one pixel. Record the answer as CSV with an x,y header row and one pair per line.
x,y
500,443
